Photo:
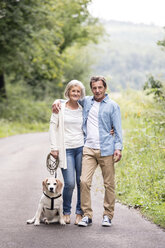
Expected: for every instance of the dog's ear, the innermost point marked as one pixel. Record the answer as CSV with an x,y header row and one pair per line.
x,y
59,186
44,185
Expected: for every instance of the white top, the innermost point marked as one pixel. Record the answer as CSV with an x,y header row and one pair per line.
x,y
57,133
92,139
73,128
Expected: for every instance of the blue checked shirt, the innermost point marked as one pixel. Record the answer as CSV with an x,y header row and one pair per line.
x,y
108,117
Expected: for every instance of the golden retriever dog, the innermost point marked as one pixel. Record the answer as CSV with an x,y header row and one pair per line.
x,y
50,208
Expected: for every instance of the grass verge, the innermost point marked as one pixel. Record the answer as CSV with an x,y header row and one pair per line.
x,y
8,128
140,176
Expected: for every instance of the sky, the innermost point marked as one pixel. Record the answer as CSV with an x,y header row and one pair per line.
x,y
136,11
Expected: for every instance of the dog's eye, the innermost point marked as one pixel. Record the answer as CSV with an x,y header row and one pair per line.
x,y
48,183
55,183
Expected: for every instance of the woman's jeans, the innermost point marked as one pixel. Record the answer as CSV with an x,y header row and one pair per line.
x,y
74,162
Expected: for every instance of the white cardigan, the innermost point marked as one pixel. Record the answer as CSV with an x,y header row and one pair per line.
x,y
56,134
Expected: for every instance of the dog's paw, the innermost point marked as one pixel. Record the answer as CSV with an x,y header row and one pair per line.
x,y
36,223
46,221
62,222
31,221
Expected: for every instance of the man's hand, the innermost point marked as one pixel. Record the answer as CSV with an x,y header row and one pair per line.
x,y
56,106
112,131
117,156
54,153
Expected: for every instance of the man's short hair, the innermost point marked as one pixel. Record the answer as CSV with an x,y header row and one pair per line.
x,y
98,78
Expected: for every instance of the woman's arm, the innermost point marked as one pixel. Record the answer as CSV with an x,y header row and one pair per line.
x,y
53,129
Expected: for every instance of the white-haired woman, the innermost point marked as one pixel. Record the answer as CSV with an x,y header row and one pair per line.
x,y
67,142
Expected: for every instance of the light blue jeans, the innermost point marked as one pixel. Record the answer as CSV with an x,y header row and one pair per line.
x,y
74,163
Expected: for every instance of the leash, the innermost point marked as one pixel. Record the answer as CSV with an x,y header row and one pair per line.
x,y
52,164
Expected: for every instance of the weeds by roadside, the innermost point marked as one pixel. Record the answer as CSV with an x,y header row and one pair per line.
x,y
8,128
140,176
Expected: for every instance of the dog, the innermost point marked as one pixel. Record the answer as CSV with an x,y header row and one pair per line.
x,y
50,208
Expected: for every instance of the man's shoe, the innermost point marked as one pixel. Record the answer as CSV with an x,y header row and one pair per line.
x,y
86,221
106,221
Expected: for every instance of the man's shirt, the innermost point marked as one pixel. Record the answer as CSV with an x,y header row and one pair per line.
x,y
93,137
108,117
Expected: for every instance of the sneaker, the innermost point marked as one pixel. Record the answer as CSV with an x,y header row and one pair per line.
x,y
86,221
106,221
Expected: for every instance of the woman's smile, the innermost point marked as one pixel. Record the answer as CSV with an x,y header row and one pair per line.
x,y
75,93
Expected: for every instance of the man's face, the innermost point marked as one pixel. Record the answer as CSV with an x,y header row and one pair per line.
x,y
98,90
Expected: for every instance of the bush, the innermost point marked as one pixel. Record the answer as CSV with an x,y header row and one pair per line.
x,y
156,88
21,107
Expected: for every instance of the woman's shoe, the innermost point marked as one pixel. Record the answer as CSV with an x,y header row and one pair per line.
x,y
67,219
78,218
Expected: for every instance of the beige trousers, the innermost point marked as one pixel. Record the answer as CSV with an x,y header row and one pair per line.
x,y
91,159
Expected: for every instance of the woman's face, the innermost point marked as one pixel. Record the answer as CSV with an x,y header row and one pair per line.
x,y
75,93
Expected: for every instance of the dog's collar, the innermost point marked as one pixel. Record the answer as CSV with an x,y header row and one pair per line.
x,y
52,197
52,200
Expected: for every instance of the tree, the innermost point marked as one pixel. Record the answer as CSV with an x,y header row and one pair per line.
x,y
161,42
154,86
34,37
24,26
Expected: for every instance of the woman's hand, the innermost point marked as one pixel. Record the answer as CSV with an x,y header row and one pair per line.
x,y
54,153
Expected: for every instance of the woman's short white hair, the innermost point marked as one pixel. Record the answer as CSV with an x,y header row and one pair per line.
x,y
71,84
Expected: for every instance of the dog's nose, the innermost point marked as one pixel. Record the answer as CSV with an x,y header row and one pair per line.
x,y
51,189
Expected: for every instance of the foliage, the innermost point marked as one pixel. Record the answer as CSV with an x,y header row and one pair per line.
x,y
34,36
8,128
21,108
155,87
162,42
140,176
20,113
77,65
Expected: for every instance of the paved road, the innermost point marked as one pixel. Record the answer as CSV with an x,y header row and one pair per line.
x,y
22,169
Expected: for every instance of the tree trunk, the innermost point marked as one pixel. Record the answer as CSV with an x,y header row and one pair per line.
x,y
2,87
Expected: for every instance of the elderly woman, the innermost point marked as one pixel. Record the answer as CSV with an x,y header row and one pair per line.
x,y
67,142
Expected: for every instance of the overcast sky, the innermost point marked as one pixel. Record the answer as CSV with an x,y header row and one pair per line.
x,y
136,11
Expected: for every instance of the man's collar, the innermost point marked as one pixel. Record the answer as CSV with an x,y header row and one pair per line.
x,y
106,98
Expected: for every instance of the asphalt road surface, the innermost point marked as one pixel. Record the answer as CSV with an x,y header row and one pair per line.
x,y
22,170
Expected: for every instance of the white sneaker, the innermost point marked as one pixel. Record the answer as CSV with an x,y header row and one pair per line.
x,y
85,221
106,221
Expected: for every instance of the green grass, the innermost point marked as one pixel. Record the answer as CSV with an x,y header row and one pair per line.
x,y
8,128
140,176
